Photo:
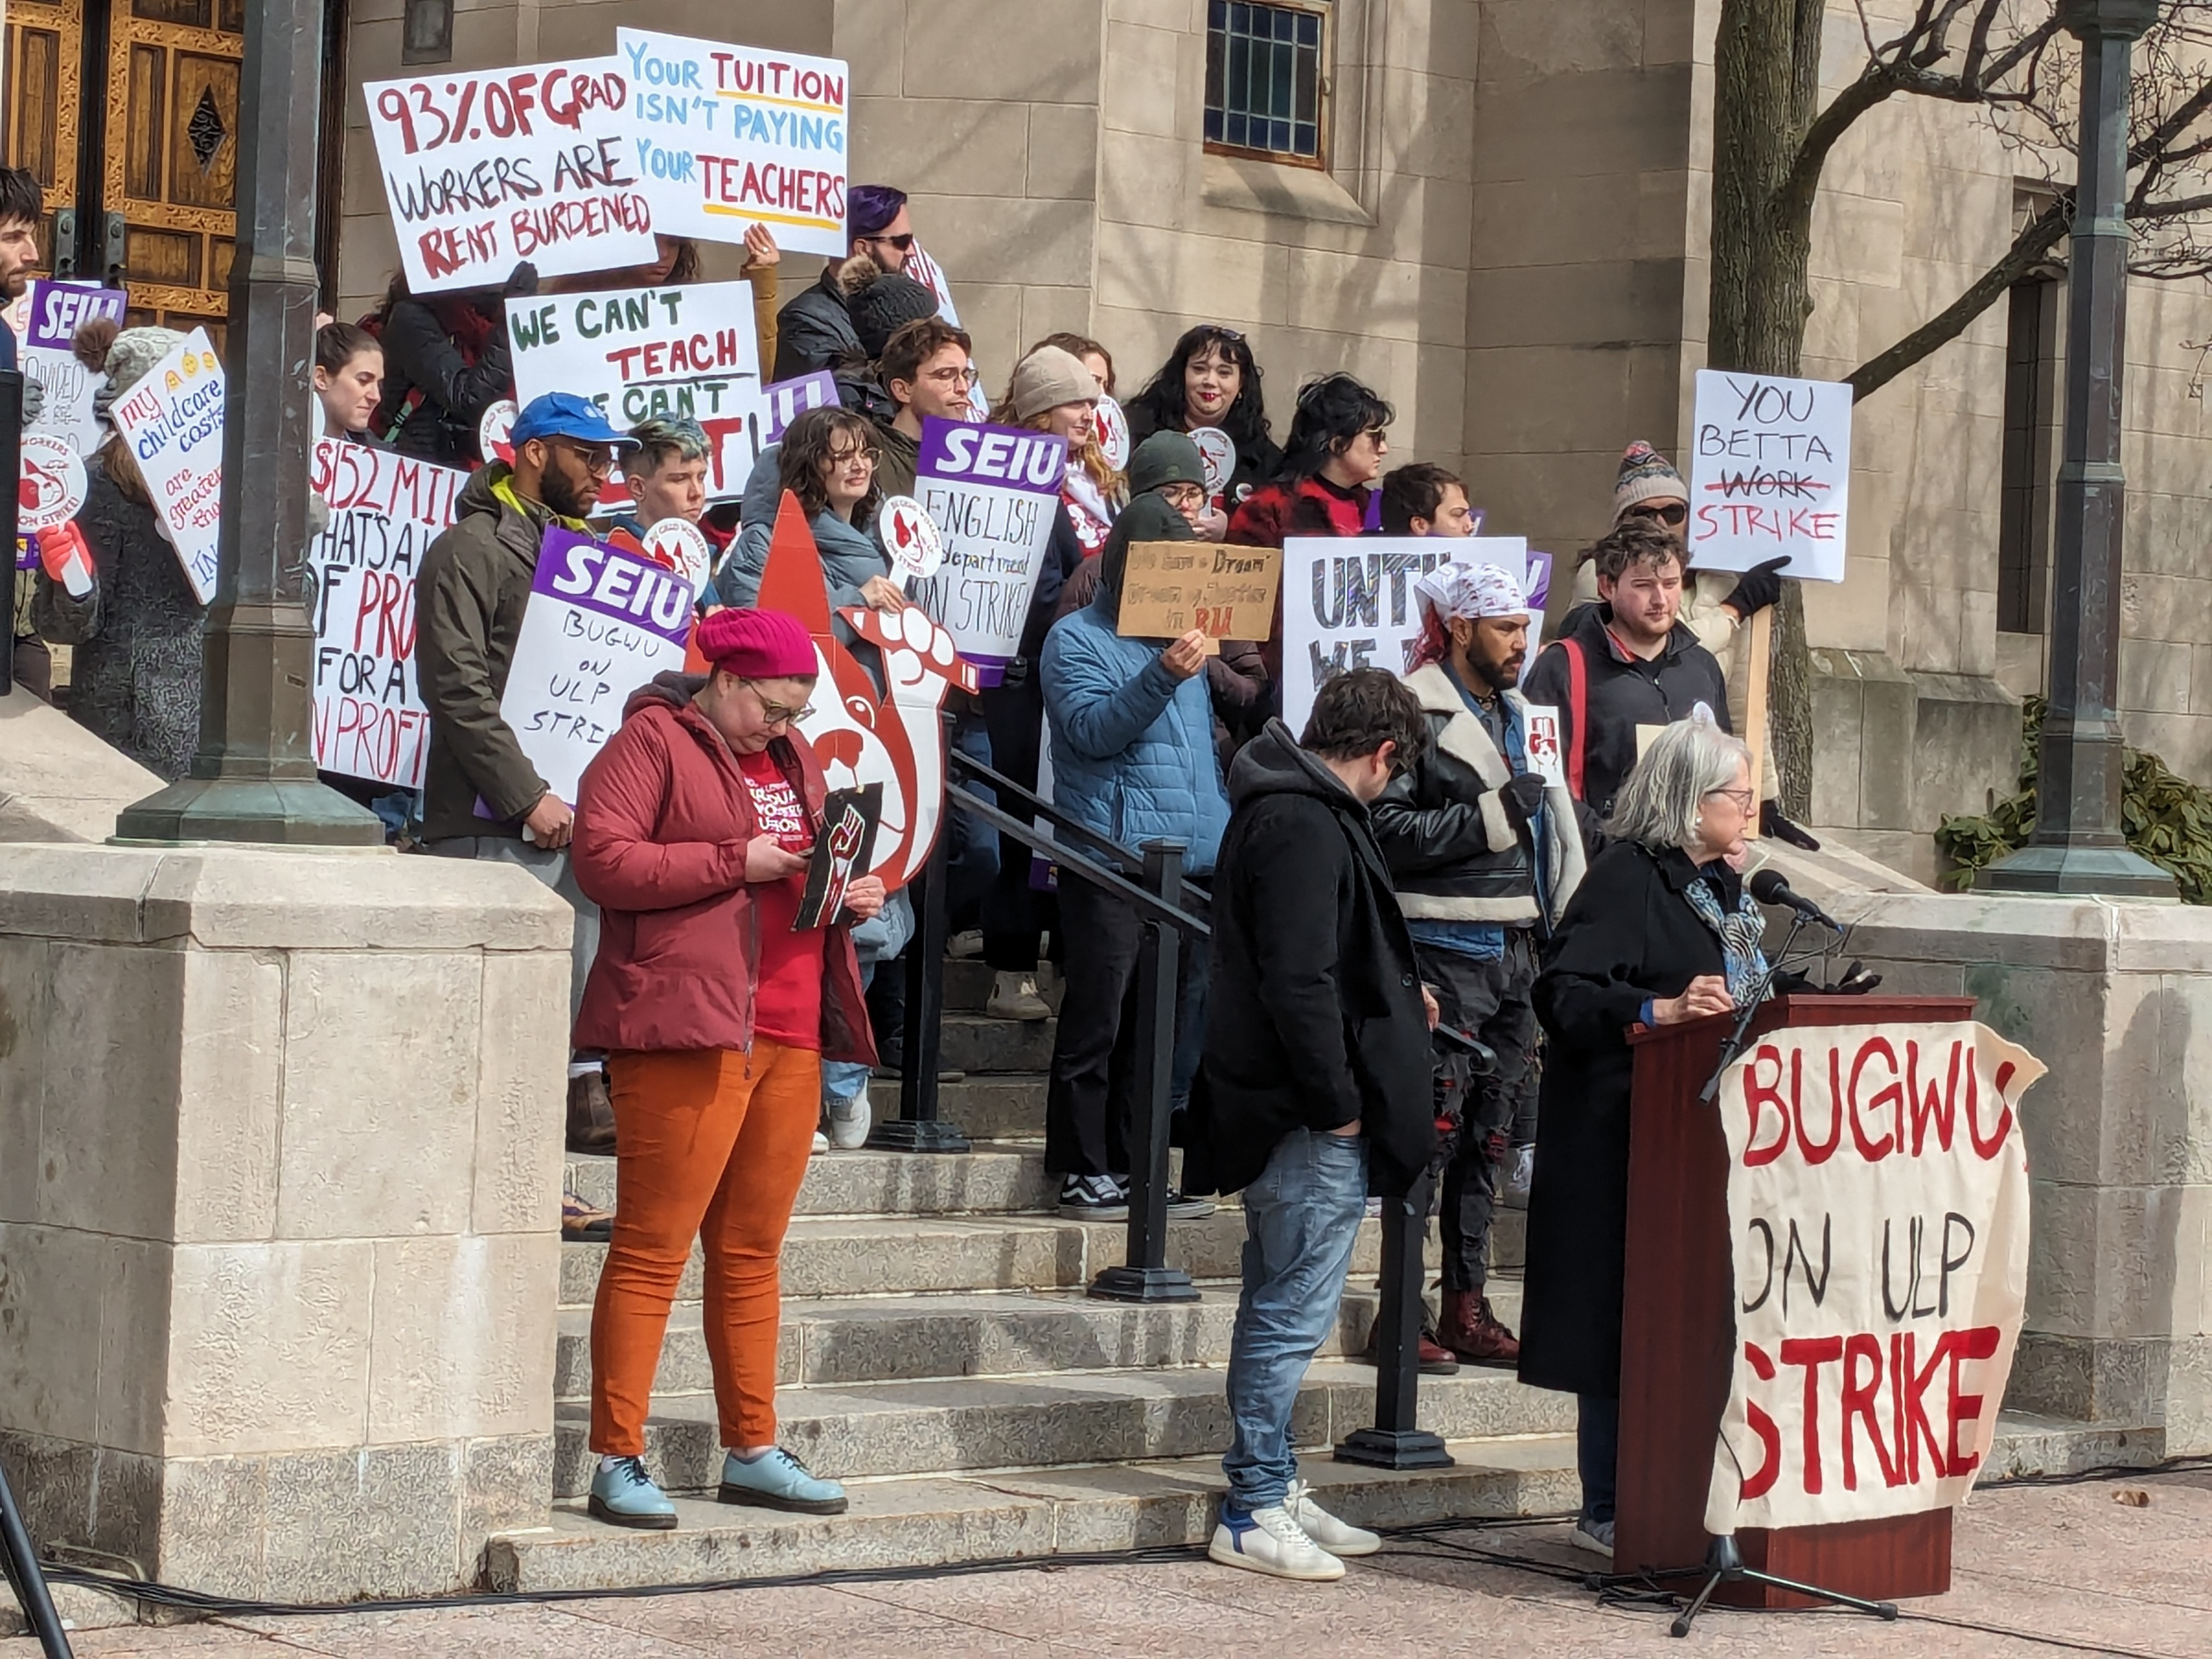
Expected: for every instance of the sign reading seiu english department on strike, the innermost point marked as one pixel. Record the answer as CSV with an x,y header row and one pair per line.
x,y
600,624
1878,1221
640,352
1770,473
991,491
724,137
484,170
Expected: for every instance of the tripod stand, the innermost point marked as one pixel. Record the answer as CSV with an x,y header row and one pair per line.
x,y
1723,1564
28,1582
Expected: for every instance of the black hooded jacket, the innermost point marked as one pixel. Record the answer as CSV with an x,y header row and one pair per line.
x,y
1315,1015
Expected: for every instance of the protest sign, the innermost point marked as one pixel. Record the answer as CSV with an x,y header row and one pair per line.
x,y
385,510
910,536
640,352
55,312
991,491
483,170
1770,473
172,419
788,400
1349,603
1878,1219
1541,742
600,622
1168,588
841,852
725,136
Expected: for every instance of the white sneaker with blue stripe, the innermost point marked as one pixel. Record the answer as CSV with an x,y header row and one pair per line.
x,y
1268,1540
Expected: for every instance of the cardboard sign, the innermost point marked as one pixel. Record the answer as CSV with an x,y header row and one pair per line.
x,y
1770,474
1878,1198
725,136
483,170
385,510
1348,603
1168,588
991,491
173,421
841,852
600,624
55,312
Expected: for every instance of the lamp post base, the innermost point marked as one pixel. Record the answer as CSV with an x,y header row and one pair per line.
x,y
1393,1449
274,812
2079,872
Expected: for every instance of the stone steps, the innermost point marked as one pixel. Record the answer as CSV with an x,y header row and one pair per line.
x,y
939,1520
886,1255
975,1043
994,1177
845,1342
977,1424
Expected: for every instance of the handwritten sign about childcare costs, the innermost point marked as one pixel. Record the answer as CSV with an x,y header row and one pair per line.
x,y
173,421
1770,474
992,492
385,510
725,136
1878,1216
485,170
1351,604
600,624
55,312
1226,593
642,352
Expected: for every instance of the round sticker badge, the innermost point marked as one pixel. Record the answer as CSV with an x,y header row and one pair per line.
x,y
491,431
911,537
50,488
1218,451
679,545
1112,427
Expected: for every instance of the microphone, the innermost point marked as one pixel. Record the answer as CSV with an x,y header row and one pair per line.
x,y
1769,887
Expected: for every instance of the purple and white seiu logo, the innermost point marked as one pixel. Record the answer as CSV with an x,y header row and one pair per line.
x,y
1003,457
58,310
618,586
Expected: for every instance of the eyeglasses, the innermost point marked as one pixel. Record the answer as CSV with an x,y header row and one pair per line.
x,y
846,457
1743,798
779,714
967,376
903,243
599,460
1183,496
1669,513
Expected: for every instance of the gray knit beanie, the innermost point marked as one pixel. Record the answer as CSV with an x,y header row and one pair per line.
x,y
125,360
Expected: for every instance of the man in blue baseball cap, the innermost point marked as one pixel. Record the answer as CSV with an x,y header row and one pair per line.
x,y
481,796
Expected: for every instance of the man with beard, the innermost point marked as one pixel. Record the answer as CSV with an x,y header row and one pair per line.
x,y
469,596
1485,853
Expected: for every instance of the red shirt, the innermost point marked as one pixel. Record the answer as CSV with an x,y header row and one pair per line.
x,y
787,999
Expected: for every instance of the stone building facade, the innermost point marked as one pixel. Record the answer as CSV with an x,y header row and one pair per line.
x,y
1508,238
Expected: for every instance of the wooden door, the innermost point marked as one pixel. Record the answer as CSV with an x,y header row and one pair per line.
x,y
44,74
171,166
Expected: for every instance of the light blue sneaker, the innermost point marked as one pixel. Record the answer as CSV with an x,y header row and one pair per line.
x,y
777,1481
624,1496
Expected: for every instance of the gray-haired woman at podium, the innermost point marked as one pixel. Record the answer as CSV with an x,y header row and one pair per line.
x,y
1661,931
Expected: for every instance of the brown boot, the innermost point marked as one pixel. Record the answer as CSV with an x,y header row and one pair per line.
x,y
1435,1361
591,1113
1470,1330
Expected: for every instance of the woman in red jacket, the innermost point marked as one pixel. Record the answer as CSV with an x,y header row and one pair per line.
x,y
692,827
1330,462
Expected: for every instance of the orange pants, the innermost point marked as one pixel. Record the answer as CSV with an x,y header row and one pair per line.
x,y
709,1144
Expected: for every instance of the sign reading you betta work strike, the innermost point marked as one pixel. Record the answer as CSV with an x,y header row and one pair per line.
x,y
640,352
1350,604
725,137
1770,473
385,510
1878,1200
600,624
483,170
991,491
173,421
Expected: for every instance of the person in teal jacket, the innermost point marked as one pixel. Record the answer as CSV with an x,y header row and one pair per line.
x,y
1132,757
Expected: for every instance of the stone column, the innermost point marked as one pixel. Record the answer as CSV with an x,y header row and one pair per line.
x,y
280,1159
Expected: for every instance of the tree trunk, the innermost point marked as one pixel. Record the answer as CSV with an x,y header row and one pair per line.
x,y
1765,91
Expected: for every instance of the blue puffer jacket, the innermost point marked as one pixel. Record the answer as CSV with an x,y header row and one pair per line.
x,y
1133,752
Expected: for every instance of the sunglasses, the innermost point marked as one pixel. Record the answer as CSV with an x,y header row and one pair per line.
x,y
1672,514
903,243
779,714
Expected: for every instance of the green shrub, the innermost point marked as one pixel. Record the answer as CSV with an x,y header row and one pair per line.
x,y
2167,818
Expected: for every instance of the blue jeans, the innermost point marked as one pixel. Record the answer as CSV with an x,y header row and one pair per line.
x,y
843,1078
1301,1218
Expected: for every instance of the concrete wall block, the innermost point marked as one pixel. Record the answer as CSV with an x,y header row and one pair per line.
x,y
230,1094
25,1014
107,1138
504,1482
214,1523
1527,39
1584,122
1889,712
50,1280
1857,239
269,1347
1388,299
870,36
2189,1397
351,1172
956,146
248,899
1442,35
1043,51
1068,311
1602,303
1967,731
1839,716
1063,153
521,1093
2155,674
2059,1017
1146,81
464,1337
1010,240
52,1479
383,1520
83,893
1143,180
131,1329
1186,276
2145,1128
1426,125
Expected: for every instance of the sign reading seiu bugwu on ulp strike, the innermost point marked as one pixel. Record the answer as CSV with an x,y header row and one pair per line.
x,y
724,137
1878,1200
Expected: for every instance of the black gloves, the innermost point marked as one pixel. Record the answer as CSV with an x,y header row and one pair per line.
x,y
1522,797
1772,822
522,281
1757,588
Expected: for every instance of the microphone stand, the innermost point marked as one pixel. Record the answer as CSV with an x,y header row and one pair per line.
x,y
1734,1046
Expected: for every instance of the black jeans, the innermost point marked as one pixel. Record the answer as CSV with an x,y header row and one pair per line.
x,y
1597,1453
1014,912
1489,999
1094,1063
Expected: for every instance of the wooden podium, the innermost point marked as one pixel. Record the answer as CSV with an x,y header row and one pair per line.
x,y
1678,1330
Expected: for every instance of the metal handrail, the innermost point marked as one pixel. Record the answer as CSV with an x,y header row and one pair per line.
x,y
1195,898
1150,906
